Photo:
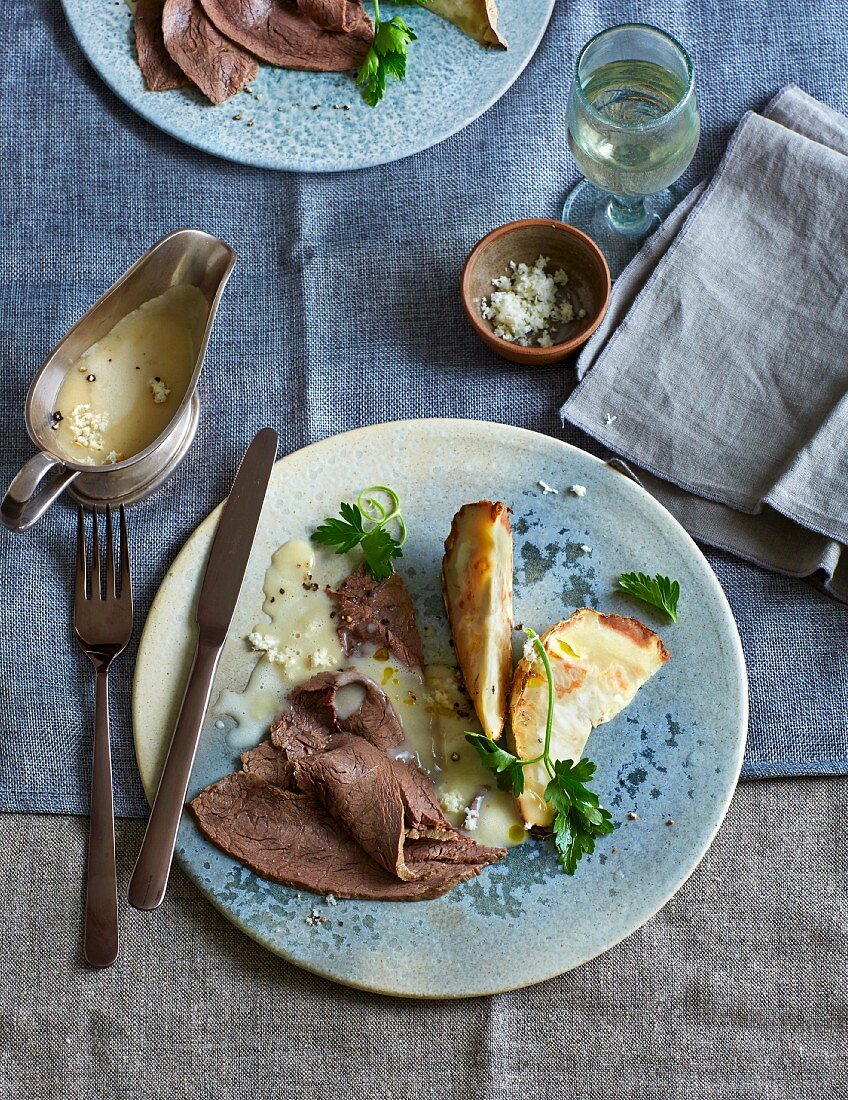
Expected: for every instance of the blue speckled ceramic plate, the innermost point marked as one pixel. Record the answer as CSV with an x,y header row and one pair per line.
x,y
675,753
318,122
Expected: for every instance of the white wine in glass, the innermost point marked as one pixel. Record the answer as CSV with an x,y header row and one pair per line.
x,y
633,128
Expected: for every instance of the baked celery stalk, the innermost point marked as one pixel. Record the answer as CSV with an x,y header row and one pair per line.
x,y
598,663
477,589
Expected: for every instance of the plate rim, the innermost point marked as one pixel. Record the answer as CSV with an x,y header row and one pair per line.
x,y
697,854
296,165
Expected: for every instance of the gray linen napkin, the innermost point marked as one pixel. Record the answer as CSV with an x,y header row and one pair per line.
x,y
721,369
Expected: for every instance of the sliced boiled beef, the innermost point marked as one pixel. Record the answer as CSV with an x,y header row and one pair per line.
x,y
331,801
330,809
280,32
299,732
289,837
379,613
423,816
216,65
269,762
333,15
313,726
361,788
374,718
161,72
356,784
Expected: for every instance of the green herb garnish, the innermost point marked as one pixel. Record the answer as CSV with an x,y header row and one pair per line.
x,y
578,815
658,591
386,56
364,525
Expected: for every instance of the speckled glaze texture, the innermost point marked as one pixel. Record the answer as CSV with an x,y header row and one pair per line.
x,y
674,754
318,122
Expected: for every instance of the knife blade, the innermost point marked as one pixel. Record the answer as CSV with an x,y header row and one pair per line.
x,y
219,593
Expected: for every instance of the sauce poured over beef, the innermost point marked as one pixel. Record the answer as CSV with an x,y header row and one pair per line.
x,y
322,807
299,636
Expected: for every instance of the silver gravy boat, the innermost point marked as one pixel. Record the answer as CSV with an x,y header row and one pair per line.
x,y
186,256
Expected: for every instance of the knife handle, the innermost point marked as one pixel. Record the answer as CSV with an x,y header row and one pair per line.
x,y
153,866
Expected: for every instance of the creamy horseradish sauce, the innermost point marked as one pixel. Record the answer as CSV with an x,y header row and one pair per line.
x,y
299,639
123,391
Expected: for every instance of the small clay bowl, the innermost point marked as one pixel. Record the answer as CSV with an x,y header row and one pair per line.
x,y
525,241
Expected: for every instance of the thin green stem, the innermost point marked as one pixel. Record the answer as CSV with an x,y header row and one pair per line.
x,y
549,723
376,14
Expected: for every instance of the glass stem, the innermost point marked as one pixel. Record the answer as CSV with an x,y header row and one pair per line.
x,y
629,215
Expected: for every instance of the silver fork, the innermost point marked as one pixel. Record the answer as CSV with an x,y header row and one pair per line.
x,y
102,625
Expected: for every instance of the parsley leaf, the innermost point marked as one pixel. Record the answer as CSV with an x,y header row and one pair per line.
x,y
364,525
657,591
509,769
386,56
344,533
578,815
378,548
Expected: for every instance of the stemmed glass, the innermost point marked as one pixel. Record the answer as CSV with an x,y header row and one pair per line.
x,y
633,128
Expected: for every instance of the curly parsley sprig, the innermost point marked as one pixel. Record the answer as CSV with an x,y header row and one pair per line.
x,y
579,817
386,56
364,525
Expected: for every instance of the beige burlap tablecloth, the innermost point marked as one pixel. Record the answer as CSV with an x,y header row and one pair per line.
x,y
737,990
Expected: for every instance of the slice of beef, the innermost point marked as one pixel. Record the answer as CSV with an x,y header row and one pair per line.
x,y
313,726
269,762
217,66
374,719
422,855
279,32
379,613
362,789
160,71
289,837
423,816
333,15
300,732
356,784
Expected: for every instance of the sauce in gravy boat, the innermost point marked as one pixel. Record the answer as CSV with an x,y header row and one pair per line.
x,y
114,408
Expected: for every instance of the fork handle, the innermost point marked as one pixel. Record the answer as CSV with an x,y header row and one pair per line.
x,y
153,866
101,895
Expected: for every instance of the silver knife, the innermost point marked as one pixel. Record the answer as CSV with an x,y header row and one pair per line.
x,y
219,594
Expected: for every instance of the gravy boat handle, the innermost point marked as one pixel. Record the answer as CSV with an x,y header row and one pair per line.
x,y
23,504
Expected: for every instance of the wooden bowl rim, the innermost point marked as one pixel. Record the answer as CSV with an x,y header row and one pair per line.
x,y
534,354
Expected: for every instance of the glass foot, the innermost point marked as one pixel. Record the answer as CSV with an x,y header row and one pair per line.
x,y
595,212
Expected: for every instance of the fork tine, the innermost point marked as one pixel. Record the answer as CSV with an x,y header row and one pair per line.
x,y
95,560
111,592
125,576
79,579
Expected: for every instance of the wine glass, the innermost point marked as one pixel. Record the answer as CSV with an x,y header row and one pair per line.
x,y
633,128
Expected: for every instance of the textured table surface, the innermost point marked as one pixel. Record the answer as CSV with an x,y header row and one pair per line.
x,y
737,990
342,311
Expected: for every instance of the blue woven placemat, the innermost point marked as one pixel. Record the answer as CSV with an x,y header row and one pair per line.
x,y
342,311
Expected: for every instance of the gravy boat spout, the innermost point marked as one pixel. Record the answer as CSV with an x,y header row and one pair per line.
x,y
186,257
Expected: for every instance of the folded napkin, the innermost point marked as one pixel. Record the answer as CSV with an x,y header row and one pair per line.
x,y
721,369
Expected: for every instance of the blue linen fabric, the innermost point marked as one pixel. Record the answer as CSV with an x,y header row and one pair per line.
x,y
342,311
